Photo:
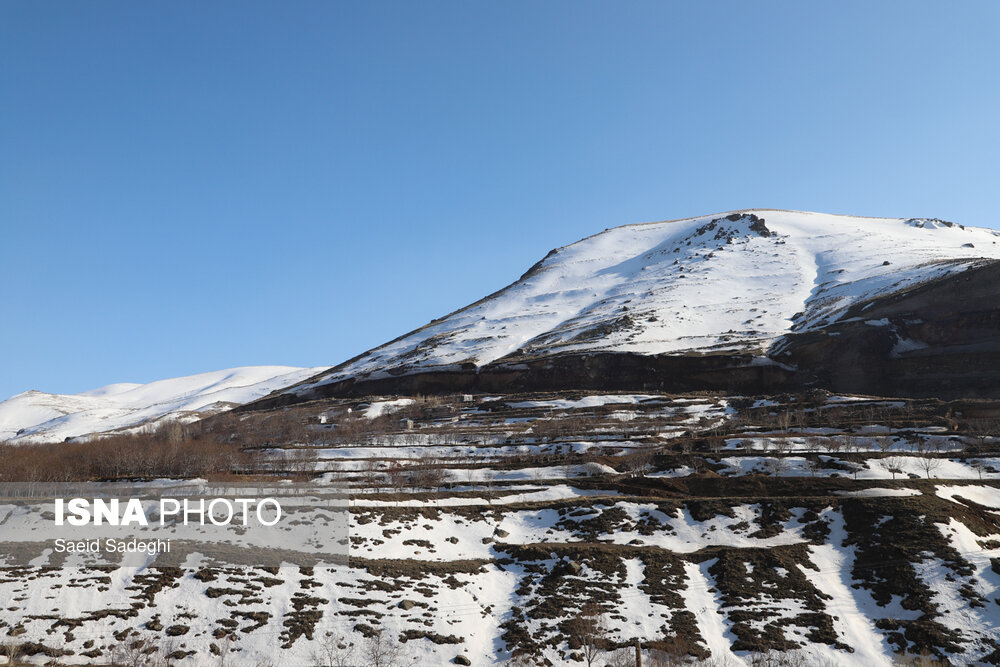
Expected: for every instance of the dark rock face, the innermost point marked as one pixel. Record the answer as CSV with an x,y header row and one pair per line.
x,y
599,372
751,222
941,339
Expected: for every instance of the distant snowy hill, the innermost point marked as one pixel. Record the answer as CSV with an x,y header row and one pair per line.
x,y
730,283
38,416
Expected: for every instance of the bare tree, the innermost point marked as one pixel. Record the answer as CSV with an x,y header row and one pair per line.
x,y
929,464
638,463
850,442
857,462
785,659
587,633
983,431
398,477
380,650
301,460
172,431
429,473
371,475
489,481
621,657
225,647
11,651
776,466
892,465
883,442
814,466
350,429
334,651
784,420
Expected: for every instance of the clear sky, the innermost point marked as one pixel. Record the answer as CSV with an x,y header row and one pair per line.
x,y
190,186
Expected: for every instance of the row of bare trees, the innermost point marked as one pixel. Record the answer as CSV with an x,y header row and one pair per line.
x,y
124,457
379,649
427,472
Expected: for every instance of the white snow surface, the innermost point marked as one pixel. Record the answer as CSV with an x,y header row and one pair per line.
x,y
585,402
35,416
987,496
704,283
878,493
379,408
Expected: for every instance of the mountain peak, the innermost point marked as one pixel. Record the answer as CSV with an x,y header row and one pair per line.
x,y
732,283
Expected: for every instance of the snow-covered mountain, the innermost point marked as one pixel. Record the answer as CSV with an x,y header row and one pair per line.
x,y
706,302
717,284
38,416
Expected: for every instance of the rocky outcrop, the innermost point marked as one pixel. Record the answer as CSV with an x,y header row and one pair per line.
x,y
941,339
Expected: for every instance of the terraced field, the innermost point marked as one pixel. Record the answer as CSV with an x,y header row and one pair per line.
x,y
564,528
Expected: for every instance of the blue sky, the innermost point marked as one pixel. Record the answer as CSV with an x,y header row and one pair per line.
x,y
190,186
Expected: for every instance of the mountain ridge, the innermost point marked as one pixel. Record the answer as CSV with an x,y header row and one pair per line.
x,y
33,415
736,282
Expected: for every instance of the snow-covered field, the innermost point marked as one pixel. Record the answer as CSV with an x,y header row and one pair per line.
x,y
721,527
510,569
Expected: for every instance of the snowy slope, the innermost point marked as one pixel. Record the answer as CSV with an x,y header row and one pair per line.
x,y
38,416
730,281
